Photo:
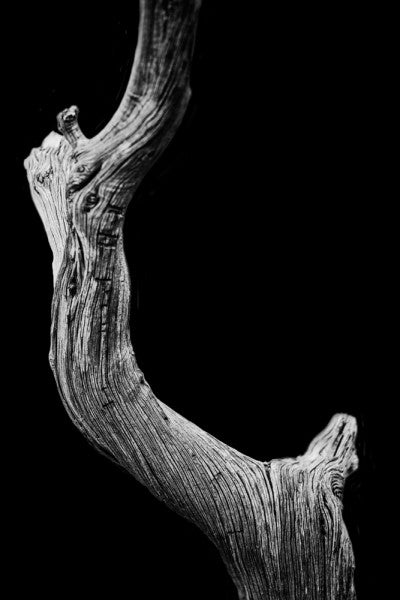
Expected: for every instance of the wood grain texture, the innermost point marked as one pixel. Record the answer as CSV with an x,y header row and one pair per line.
x,y
278,525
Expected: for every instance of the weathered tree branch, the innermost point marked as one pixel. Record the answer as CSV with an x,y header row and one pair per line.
x,y
277,525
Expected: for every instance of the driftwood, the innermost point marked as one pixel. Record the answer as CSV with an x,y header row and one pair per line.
x,y
277,525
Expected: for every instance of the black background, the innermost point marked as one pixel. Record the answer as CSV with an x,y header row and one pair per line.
x,y
253,250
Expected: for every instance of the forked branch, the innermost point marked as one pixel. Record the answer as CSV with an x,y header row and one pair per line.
x,y
254,512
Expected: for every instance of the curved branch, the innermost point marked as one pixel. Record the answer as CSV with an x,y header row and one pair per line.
x,y
252,511
162,59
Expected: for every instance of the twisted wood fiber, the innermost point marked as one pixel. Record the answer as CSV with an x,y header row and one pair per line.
x,y
278,525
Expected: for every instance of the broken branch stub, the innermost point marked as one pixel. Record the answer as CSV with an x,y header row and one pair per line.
x,y
278,525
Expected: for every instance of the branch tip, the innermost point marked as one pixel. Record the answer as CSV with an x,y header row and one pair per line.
x,y
68,126
337,442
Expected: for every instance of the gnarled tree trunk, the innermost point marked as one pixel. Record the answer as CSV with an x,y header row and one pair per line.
x,y
277,525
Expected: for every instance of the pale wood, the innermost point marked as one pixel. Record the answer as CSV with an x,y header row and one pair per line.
x,y
278,525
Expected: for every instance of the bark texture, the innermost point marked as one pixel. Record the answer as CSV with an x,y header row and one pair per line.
x,y
278,525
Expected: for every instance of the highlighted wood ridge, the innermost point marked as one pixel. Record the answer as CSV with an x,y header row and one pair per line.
x,y
277,525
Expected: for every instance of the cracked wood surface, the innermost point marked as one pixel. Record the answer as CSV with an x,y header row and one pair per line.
x,y
278,525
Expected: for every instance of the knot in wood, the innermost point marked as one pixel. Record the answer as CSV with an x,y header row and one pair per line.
x,y
90,201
